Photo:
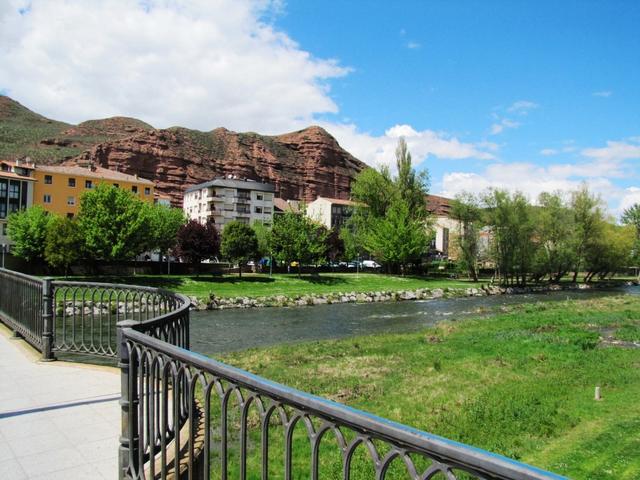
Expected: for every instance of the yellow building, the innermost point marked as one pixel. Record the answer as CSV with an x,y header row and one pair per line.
x,y
59,188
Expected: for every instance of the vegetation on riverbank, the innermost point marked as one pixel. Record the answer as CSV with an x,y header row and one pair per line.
x,y
520,383
257,285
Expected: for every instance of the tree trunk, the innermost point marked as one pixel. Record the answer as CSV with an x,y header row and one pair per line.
x,y
239,269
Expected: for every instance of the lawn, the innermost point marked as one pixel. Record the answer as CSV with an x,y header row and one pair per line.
x,y
520,383
258,285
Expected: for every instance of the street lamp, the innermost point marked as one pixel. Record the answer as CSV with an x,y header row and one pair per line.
x,y
4,247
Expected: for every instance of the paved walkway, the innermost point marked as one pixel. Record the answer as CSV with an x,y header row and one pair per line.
x,y
57,420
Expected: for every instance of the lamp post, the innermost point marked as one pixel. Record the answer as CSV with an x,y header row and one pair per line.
x,y
4,246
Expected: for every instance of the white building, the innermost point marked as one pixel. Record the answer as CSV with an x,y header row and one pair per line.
x,y
227,199
331,212
16,191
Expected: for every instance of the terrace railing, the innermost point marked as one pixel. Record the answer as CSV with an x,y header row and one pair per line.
x,y
186,416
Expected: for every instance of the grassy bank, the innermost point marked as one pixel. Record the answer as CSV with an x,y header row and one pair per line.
x,y
520,384
257,285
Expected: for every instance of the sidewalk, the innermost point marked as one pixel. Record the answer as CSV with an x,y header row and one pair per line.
x,y
57,420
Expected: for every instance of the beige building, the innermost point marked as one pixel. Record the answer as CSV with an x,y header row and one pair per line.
x,y
16,191
228,199
331,212
445,227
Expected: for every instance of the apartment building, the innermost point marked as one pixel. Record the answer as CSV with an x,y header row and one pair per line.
x,y
445,226
228,199
331,212
59,188
16,191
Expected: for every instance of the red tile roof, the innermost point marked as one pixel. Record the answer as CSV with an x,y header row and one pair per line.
x,y
96,172
438,206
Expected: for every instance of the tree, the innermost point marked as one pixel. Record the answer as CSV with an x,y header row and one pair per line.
x,y
608,252
397,239
631,216
64,244
28,231
555,226
588,219
165,223
196,242
114,223
239,243
467,212
296,237
412,188
512,225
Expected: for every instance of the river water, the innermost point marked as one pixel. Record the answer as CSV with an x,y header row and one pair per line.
x,y
218,331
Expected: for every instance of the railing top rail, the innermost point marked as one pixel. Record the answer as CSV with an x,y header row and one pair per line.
x,y
454,453
21,275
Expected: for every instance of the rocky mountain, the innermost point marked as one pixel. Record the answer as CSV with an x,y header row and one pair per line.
x,y
302,165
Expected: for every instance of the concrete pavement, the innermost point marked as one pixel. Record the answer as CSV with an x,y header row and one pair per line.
x,y
57,420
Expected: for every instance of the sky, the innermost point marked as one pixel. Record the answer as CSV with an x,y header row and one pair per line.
x,y
524,95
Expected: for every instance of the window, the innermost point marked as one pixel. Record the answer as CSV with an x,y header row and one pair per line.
x,y
48,179
134,189
3,210
259,196
69,215
71,182
268,197
46,199
258,209
267,210
88,184
117,185
14,190
71,201
3,188
147,191
5,228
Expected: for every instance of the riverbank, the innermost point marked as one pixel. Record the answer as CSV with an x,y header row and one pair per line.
x,y
520,383
220,303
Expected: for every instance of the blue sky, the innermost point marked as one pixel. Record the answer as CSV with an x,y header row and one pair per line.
x,y
527,95
458,67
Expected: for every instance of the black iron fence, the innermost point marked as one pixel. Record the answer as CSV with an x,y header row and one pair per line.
x,y
185,415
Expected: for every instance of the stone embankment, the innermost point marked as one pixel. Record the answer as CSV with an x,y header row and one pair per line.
x,y
216,303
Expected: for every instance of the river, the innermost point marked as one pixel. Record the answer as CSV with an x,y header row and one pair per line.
x,y
219,331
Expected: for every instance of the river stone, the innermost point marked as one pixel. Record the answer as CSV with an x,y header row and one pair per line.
x,y
437,293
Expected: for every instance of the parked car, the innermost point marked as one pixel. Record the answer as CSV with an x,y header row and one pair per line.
x,y
370,264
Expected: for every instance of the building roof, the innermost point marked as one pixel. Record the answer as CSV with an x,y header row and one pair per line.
x,y
286,205
438,206
337,201
16,176
233,183
95,172
28,164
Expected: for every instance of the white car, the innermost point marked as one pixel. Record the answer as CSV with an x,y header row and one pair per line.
x,y
370,264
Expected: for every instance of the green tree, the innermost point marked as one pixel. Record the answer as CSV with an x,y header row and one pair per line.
x,y
555,228
263,235
28,231
64,244
512,225
466,210
588,220
239,243
296,237
164,225
608,252
114,223
397,239
631,216
411,187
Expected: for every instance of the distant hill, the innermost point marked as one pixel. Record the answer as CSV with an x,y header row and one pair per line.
x,y
302,165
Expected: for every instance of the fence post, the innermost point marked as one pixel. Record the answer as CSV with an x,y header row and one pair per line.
x,y
47,319
129,422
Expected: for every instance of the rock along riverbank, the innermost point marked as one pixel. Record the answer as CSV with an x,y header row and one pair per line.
x,y
216,303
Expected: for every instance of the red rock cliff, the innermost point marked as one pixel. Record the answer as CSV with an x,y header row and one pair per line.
x,y
301,165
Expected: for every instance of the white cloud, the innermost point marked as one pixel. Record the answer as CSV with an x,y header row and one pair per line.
x,y
604,93
380,150
599,168
522,107
413,45
503,124
194,63
548,151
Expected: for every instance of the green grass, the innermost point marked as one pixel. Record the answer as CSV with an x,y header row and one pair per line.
x,y
520,383
259,285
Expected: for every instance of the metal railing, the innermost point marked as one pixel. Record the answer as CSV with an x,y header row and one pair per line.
x,y
185,415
